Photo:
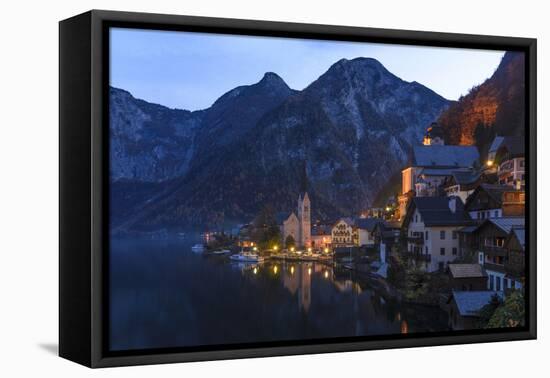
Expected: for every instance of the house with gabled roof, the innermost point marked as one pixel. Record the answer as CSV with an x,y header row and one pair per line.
x,y
434,162
467,277
507,156
365,230
495,201
461,183
431,225
493,254
465,306
515,265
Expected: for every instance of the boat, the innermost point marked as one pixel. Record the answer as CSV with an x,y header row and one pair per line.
x,y
247,257
198,248
221,252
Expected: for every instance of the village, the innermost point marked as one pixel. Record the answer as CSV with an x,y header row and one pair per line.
x,y
453,237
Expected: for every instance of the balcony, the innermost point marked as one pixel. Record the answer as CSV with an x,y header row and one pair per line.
x,y
416,239
493,250
419,256
494,267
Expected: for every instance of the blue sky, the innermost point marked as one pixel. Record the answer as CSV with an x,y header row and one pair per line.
x,y
191,70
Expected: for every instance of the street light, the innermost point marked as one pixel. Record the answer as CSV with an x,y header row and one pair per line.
x,y
275,247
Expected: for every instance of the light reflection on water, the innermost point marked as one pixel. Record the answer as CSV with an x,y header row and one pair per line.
x,y
163,295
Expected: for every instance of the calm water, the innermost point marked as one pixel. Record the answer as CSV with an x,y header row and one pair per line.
x,y
164,295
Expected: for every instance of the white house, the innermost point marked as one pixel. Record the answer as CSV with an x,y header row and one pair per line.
x,y
432,225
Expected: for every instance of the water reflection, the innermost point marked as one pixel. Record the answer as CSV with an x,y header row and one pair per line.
x,y
163,296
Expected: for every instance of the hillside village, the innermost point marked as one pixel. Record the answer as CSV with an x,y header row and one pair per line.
x,y
456,230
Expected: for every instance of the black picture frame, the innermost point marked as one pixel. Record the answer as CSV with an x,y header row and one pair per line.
x,y
83,195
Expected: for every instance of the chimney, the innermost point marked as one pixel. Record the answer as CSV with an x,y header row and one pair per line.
x,y
452,204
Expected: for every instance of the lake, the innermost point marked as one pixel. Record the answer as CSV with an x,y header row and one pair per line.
x,y
164,295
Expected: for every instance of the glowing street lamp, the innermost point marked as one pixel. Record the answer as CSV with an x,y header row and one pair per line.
x,y
326,250
275,247
309,249
490,163
291,249
255,249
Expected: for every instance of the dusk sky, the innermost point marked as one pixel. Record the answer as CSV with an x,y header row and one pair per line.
x,y
191,70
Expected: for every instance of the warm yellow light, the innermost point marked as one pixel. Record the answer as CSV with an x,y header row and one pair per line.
x,y
255,270
490,163
291,249
255,248
309,271
252,244
326,250
275,247
326,273
309,249
388,208
275,269
291,270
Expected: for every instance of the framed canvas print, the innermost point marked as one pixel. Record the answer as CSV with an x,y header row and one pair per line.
x,y
234,188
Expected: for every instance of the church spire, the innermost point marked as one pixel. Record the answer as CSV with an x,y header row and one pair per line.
x,y
303,178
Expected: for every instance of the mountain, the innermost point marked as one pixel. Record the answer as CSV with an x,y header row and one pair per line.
x,y
496,107
149,142
341,138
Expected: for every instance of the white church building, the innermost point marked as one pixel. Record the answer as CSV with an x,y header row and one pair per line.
x,y
298,224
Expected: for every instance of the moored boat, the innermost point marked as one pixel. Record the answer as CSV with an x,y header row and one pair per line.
x,y
198,248
247,257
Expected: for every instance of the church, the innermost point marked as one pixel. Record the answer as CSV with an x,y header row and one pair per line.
x,y
298,224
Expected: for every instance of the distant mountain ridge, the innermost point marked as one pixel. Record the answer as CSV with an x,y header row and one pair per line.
x,y
343,136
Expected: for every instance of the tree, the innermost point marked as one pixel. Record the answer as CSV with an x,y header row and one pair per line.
x,y
290,242
511,313
487,311
266,230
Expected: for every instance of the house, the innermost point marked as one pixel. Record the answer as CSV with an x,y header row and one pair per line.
x,y
429,159
515,267
495,201
467,277
365,230
321,236
464,307
492,253
429,181
431,225
461,184
467,242
298,224
344,233
508,155
386,235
